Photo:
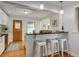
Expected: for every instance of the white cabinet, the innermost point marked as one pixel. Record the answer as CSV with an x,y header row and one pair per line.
x,y
2,44
3,18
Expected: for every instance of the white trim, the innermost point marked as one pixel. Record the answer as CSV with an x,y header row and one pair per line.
x,y
73,54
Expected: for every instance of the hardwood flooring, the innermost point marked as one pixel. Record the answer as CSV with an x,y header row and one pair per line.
x,y
9,52
21,52
65,54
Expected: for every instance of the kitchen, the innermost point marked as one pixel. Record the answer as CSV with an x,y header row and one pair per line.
x,y
42,30
43,24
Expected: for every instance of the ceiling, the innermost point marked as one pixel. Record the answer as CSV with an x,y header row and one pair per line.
x,y
17,8
37,3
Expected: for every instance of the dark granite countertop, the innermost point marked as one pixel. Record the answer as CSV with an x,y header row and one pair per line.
x,y
58,32
3,34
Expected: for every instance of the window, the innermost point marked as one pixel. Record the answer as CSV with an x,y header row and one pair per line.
x,y
30,27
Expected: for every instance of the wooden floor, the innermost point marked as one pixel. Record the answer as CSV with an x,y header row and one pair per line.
x,y
65,54
16,53
22,52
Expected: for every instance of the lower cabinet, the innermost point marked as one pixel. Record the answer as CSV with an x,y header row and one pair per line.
x,y
2,44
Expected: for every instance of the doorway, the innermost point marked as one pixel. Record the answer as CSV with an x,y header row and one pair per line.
x,y
17,30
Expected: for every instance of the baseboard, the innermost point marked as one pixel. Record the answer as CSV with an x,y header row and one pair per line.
x,y
73,54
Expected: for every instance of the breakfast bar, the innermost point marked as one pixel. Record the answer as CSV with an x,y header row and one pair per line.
x,y
30,38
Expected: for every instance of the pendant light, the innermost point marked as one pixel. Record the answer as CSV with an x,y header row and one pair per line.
x,y
41,6
61,7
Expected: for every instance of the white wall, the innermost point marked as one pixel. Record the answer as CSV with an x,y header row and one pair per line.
x,y
69,19
37,26
45,22
74,43
70,25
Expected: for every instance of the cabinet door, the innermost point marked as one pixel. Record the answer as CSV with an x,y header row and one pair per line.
x,y
2,44
3,18
3,41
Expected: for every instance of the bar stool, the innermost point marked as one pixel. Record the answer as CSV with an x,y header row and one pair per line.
x,y
41,49
54,46
64,45
48,44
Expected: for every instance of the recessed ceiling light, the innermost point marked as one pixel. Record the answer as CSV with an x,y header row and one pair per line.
x,y
25,12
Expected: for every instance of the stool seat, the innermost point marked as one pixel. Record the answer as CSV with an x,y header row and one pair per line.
x,y
41,43
54,41
63,39
40,49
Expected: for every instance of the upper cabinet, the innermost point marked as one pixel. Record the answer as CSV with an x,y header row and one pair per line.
x,y
3,18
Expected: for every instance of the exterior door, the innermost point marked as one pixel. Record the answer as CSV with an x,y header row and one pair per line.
x,y
17,30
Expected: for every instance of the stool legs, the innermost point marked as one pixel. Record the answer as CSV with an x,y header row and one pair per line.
x,y
38,53
41,50
44,51
58,50
62,49
52,49
55,47
67,45
49,49
63,45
